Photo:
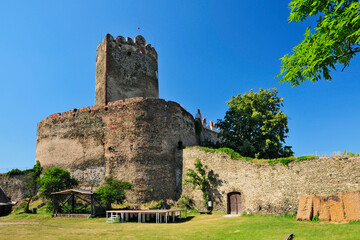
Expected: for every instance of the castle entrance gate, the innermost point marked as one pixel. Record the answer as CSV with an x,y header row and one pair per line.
x,y
234,203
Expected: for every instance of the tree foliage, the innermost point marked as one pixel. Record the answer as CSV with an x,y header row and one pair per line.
x,y
200,179
31,178
54,180
254,126
113,191
36,170
334,40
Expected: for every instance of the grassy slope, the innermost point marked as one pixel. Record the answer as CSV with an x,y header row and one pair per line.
x,y
42,226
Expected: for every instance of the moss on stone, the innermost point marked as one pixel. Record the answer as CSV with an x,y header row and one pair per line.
x,y
231,153
235,155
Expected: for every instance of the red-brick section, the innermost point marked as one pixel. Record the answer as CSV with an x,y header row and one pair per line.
x,y
55,115
97,107
84,109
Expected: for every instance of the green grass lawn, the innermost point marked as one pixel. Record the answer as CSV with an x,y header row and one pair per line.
x,y
215,226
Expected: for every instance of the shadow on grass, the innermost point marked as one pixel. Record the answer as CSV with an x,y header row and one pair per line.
x,y
152,220
182,220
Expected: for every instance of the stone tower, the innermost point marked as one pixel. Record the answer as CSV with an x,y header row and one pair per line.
x,y
125,69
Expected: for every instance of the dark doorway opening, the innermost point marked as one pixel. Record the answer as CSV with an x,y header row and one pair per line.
x,y
234,203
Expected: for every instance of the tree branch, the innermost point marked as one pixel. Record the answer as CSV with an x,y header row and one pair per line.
x,y
348,53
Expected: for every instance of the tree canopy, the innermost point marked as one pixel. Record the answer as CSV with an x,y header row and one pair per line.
x,y
334,40
54,180
112,191
254,126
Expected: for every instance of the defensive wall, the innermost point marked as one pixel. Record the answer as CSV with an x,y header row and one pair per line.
x,y
137,140
271,189
132,135
209,135
14,186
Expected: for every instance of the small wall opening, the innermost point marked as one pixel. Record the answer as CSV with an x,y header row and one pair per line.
x,y
180,145
129,53
234,205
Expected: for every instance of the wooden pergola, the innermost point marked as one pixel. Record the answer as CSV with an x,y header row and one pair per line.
x,y
75,202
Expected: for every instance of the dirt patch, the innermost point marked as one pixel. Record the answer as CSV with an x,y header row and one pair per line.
x,y
16,223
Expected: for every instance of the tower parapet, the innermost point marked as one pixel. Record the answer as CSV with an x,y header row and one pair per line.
x,y
125,69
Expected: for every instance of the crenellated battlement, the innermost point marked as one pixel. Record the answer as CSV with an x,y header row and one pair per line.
x,y
129,133
95,108
138,45
111,106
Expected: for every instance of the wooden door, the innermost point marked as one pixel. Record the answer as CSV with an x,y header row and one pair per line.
x,y
234,203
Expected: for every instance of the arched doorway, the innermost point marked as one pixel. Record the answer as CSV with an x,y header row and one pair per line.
x,y
234,203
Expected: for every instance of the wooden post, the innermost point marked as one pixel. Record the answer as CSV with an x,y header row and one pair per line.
x,y
73,203
92,206
54,204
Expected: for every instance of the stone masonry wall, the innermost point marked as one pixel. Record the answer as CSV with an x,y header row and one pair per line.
x,y
73,140
137,140
272,189
208,135
13,186
125,69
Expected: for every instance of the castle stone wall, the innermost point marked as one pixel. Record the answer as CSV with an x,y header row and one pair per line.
x,y
100,79
137,140
272,189
73,140
125,69
13,186
208,135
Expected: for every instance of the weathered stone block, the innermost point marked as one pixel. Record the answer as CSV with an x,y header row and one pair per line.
x,y
336,208
305,210
351,202
324,213
316,205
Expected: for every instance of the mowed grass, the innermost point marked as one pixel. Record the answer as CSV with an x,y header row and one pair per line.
x,y
215,226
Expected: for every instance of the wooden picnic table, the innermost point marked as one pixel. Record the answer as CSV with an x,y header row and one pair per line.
x,y
142,215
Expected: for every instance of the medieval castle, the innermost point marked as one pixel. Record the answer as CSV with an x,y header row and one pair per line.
x,y
130,133
133,135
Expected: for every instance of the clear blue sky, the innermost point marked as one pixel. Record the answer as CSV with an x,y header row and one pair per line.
x,y
208,52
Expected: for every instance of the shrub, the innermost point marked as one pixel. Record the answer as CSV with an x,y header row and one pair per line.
x,y
184,202
14,172
156,205
36,170
113,191
316,217
54,180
